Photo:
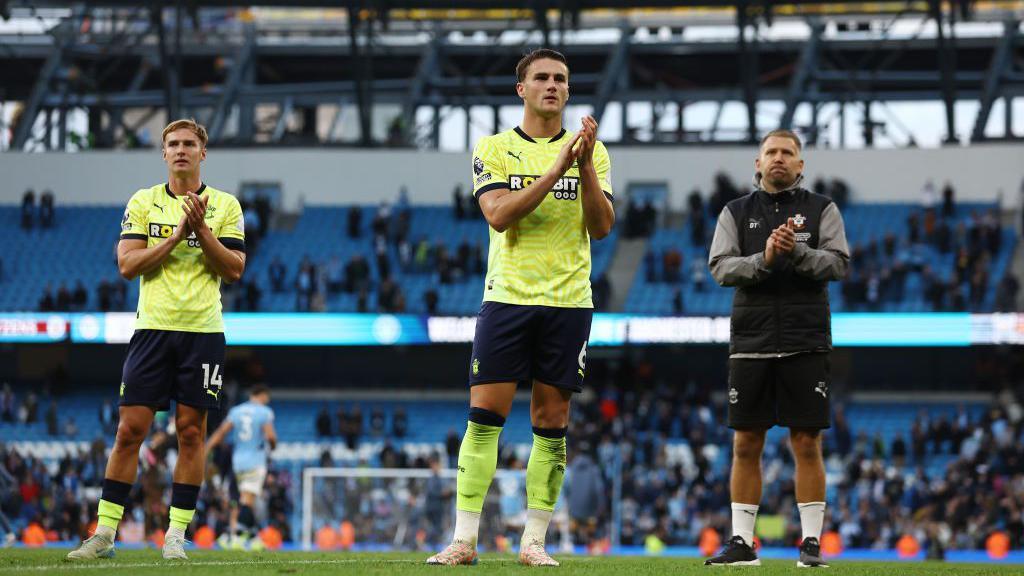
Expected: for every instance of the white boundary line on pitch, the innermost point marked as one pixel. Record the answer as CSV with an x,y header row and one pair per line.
x,y
107,565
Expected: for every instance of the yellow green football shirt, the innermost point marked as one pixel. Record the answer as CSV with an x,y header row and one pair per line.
x,y
183,293
544,258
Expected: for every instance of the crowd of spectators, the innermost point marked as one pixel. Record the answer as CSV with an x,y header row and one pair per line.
x,y
881,490
33,214
880,267
662,442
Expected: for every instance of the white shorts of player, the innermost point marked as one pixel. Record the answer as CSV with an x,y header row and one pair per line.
x,y
251,481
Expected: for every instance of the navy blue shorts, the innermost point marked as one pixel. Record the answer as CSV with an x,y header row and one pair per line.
x,y
515,343
165,365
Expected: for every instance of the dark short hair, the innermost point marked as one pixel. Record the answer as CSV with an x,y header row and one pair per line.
x,y
782,133
538,54
259,389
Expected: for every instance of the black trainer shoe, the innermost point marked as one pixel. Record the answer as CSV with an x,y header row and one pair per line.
x,y
810,555
736,553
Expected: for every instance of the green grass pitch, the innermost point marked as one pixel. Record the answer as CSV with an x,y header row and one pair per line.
x,y
222,563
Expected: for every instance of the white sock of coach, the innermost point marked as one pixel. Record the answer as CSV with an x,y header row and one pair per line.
x,y
743,518
812,516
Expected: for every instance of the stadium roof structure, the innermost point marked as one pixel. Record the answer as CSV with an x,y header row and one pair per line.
x,y
220,60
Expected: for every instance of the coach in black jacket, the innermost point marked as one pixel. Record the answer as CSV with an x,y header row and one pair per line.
x,y
779,246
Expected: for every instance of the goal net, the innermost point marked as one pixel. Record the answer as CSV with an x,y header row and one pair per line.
x,y
407,509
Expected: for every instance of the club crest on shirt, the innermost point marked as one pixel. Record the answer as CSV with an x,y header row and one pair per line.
x,y
799,222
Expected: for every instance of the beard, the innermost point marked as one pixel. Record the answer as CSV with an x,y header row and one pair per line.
x,y
779,180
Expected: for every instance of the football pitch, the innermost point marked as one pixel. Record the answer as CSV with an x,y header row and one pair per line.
x,y
203,562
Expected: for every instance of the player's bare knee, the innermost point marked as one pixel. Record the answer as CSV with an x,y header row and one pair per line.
x,y
130,434
806,445
190,437
549,416
748,444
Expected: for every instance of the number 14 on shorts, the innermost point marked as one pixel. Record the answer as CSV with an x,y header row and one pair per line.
x,y
212,379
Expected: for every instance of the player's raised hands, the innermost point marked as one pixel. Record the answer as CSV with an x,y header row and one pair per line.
x,y
195,210
588,139
568,153
182,231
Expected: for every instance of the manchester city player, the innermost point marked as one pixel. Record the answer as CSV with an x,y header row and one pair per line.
x,y
545,193
181,237
251,425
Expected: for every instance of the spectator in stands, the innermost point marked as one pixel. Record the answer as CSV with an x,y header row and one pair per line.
x,y
79,298
253,227
948,200
63,299
362,301
28,209
381,221
650,219
46,303
477,260
672,263
602,293
108,417
585,494
305,285
634,219
7,403
677,302
377,421
404,255
928,196
323,423
350,425
264,211
698,224
380,249
335,275
253,295
355,221
934,289
650,266
399,423
277,274
31,409
699,274
839,190
104,296
70,427
841,434
443,265
430,299
400,226
51,419
914,228
357,274
725,192
458,202
451,447
119,293
46,209
421,255
1007,292
389,297
462,255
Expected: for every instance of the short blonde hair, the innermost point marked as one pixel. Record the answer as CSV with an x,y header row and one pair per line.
x,y
189,124
783,133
